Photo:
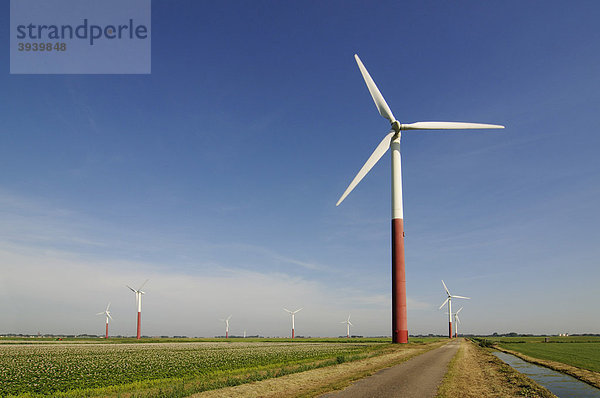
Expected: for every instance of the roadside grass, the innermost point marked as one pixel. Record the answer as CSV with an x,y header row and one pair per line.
x,y
447,387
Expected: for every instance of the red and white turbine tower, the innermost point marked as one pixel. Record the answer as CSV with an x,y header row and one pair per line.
x,y
392,140
348,324
293,313
449,301
456,322
107,313
226,320
138,301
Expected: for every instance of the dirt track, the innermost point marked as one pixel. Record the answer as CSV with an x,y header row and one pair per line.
x,y
417,377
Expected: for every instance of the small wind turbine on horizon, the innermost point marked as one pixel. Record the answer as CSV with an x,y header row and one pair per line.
x,y
392,140
226,320
293,313
348,323
107,313
138,301
449,301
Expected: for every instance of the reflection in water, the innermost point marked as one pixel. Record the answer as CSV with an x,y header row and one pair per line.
x,y
559,384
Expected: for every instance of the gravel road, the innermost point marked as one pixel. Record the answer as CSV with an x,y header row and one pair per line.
x,y
418,377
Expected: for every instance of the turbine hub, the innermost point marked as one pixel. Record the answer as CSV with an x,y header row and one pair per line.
x,y
396,126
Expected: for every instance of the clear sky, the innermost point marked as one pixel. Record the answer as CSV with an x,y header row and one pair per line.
x,y
216,176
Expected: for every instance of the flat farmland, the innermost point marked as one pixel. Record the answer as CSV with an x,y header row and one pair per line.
x,y
541,339
89,369
583,355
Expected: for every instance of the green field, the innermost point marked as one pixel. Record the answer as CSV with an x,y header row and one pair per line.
x,y
61,368
541,339
578,352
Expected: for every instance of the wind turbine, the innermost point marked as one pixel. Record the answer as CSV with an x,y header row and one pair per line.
x,y
348,323
138,300
392,140
292,313
449,301
107,313
226,320
456,322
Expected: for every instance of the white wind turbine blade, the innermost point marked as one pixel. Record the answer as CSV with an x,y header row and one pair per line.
x,y
108,306
445,288
381,149
444,303
448,126
462,297
228,318
285,309
130,288
382,106
100,313
108,313
459,310
350,323
146,281
457,318
298,310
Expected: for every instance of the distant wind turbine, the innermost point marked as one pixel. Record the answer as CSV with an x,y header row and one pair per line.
x,y
107,313
456,322
348,323
292,313
226,320
449,301
138,300
392,140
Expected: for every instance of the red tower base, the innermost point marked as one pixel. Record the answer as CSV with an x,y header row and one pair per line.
x,y
139,326
106,329
292,333
450,329
399,322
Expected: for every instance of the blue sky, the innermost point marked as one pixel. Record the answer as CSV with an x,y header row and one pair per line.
x,y
217,175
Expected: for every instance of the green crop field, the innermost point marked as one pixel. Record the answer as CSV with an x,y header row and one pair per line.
x,y
581,354
61,368
541,339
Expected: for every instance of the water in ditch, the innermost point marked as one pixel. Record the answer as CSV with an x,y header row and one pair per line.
x,y
559,384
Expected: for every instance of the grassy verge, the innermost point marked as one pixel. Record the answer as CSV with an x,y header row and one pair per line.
x,y
475,372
